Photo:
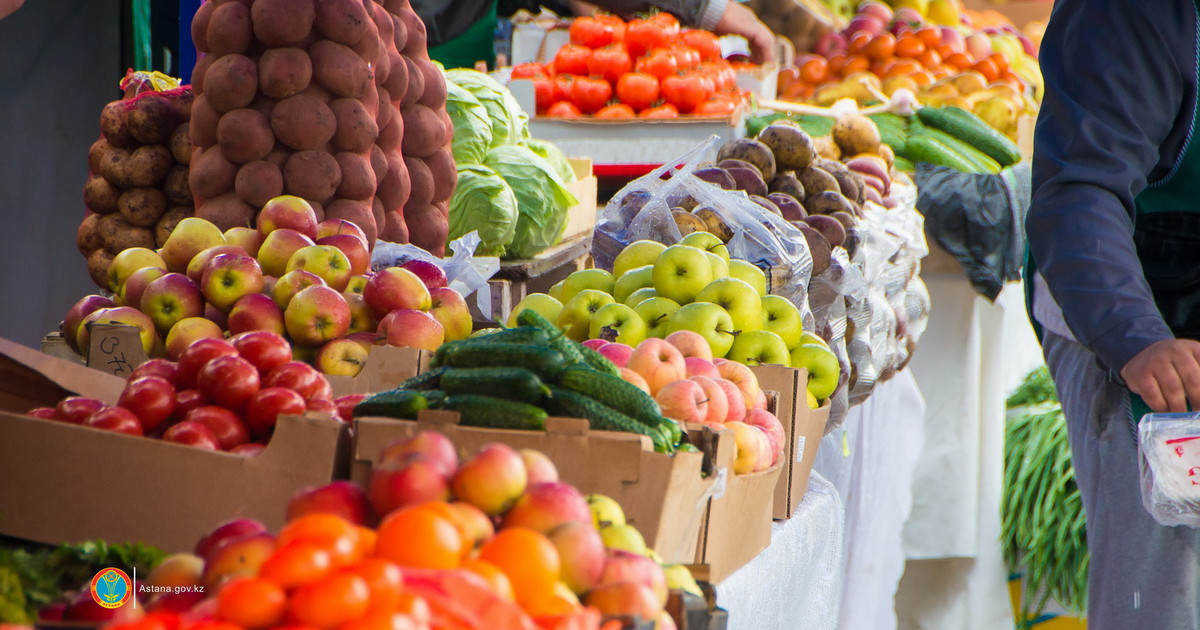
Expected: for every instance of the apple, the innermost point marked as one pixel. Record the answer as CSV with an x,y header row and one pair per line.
x,y
709,320
576,317
225,533
239,557
150,398
267,404
228,381
492,479
293,282
288,211
587,279
161,368
741,376
315,315
171,298
128,261
413,480
189,237
780,316
635,379
978,45
394,287
708,242
717,409
343,498
681,272
870,24
299,376
225,425
639,296
624,599
539,468
410,328
342,357
346,404
450,309
751,442
697,366
188,331
738,298
878,9
277,249
658,362
617,353
595,344
255,311
432,275
327,261
772,427
691,344
118,419
80,310
265,350
431,444
657,313
124,315
823,367
353,247
219,317
541,303
248,238
43,413
199,262
683,400
955,40
618,323
76,409
759,347
361,319
582,553
632,280
829,44
720,268
810,337
737,407
331,227
356,284
749,273
228,277
555,290
136,283
546,506
637,254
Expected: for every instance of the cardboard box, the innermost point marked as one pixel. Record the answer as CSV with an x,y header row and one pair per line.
x,y
581,217
803,429
664,496
66,483
386,367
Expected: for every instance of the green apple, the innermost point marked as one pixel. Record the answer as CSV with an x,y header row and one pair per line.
x,y
540,303
738,299
759,347
556,290
637,254
811,337
632,280
720,267
709,242
681,272
595,279
619,323
823,368
128,261
780,316
709,320
576,317
657,312
750,272
639,296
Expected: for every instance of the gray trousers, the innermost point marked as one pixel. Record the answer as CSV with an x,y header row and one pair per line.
x,y
1142,576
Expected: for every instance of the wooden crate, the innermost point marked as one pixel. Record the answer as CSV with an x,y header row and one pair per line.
x,y
518,278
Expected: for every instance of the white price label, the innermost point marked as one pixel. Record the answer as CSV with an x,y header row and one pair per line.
x,y
800,439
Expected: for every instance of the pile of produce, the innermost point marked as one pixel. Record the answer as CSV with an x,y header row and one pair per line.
x,y
292,275
137,187
495,541
646,68
511,188
335,102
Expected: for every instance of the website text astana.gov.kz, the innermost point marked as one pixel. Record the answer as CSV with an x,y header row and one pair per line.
x,y
151,589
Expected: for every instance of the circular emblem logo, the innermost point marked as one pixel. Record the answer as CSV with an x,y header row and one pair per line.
x,y
111,588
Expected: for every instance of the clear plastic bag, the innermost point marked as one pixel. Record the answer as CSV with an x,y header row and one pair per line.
x,y
466,272
1169,459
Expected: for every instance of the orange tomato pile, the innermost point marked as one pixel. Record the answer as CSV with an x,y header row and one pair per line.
x,y
647,68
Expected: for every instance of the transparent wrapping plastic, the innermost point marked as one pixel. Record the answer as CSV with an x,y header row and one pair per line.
x,y
1169,457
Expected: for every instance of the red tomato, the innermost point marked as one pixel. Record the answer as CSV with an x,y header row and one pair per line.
x,y
264,349
660,63
685,92
591,32
668,22
345,405
225,425
563,109
616,110
609,63
617,24
723,75
704,43
150,398
528,71
198,354
719,106
642,36
687,58
299,376
665,110
590,94
228,381
572,59
117,419
264,408
546,93
187,400
637,89
192,434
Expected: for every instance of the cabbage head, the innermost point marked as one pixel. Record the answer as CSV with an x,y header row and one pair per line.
x,y
542,199
472,125
510,123
484,203
554,156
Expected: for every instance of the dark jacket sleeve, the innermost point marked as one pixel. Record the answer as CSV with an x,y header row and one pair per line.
x,y
1120,89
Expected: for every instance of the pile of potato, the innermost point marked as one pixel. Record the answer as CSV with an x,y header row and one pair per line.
x,y
137,187
335,101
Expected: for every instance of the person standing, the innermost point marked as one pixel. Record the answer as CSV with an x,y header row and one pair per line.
x,y
1114,237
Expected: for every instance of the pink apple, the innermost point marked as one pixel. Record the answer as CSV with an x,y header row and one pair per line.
x,y
617,352
878,9
78,311
773,429
316,315
626,566
742,376
718,405
136,284
228,277
538,467
367,339
227,532
392,288
170,298
697,366
353,247
432,275
432,444
868,23
343,498
199,262
293,282
760,401
683,400
326,261
330,227
751,444
545,506
256,311
635,379
277,249
410,328
248,238
954,39
450,309
691,344
288,211
658,362
596,344
360,316
830,44
341,357
735,398
413,480
979,46
187,331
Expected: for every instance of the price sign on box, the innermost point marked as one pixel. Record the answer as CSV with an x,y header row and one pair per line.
x,y
115,349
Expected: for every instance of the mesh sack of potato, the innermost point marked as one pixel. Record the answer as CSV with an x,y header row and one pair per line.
x,y
137,187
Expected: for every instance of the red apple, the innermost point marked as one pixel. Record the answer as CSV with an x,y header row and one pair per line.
x,y
76,409
547,505
248,238
492,479
345,405
228,277
188,331
228,381
330,227
225,425
596,344
658,362
227,532
197,355
431,444
171,298
430,274
256,311
683,400
392,288
123,315
343,498
316,315
263,349
44,413
361,319
81,309
288,211
298,376
716,408
277,249
249,449
264,407
322,405
117,419
136,284
327,261
772,427
735,398
217,316
450,309
199,262
409,328
353,247
150,398
293,282
395,485
616,352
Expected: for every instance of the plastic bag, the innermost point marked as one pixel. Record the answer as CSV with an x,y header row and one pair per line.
x,y
1169,459
466,273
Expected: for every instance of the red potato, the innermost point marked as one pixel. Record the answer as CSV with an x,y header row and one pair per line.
x,y
279,156
370,47
356,129
356,212
394,229
340,70
283,22
358,179
229,30
399,33
231,82
198,72
379,163
428,226
211,174
421,179
416,84
377,211
434,95
312,175
445,173
391,135
200,28
283,72
202,128
424,131
245,135
416,45
343,21
303,121
397,79
226,211
258,182
395,187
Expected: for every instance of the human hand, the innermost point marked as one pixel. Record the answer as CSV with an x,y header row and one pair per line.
x,y
9,6
1166,375
738,20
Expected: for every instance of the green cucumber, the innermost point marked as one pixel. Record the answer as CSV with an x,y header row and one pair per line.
x,y
394,403
598,362
924,148
512,383
425,380
477,410
568,347
543,361
615,392
982,161
972,129
601,417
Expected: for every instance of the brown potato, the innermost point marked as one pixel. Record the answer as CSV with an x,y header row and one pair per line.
x,y
202,129
258,182
855,134
119,235
424,132
100,196
211,174
283,72
231,82
394,229
168,221
358,179
356,212
198,72
151,119
817,180
226,211
115,168
752,151
428,226
114,119
343,21
175,186
339,69
142,206
87,239
356,129
416,84
180,145
97,266
283,22
434,95
96,155
445,173
391,135
313,175
148,164
303,122
264,105
245,135
395,186
200,26
229,30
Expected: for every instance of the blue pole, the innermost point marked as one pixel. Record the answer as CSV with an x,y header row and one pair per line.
x,y
187,49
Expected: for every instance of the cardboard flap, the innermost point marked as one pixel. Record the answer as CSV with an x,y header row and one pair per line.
x,y
29,378
386,367
300,440
567,426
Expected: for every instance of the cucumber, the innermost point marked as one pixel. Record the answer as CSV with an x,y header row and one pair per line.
x,y
424,380
598,362
983,162
568,347
520,334
893,130
477,410
902,164
394,403
971,129
543,361
439,355
923,148
614,392
512,383
601,417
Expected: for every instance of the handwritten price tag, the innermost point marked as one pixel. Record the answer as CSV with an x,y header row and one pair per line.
x,y
115,349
